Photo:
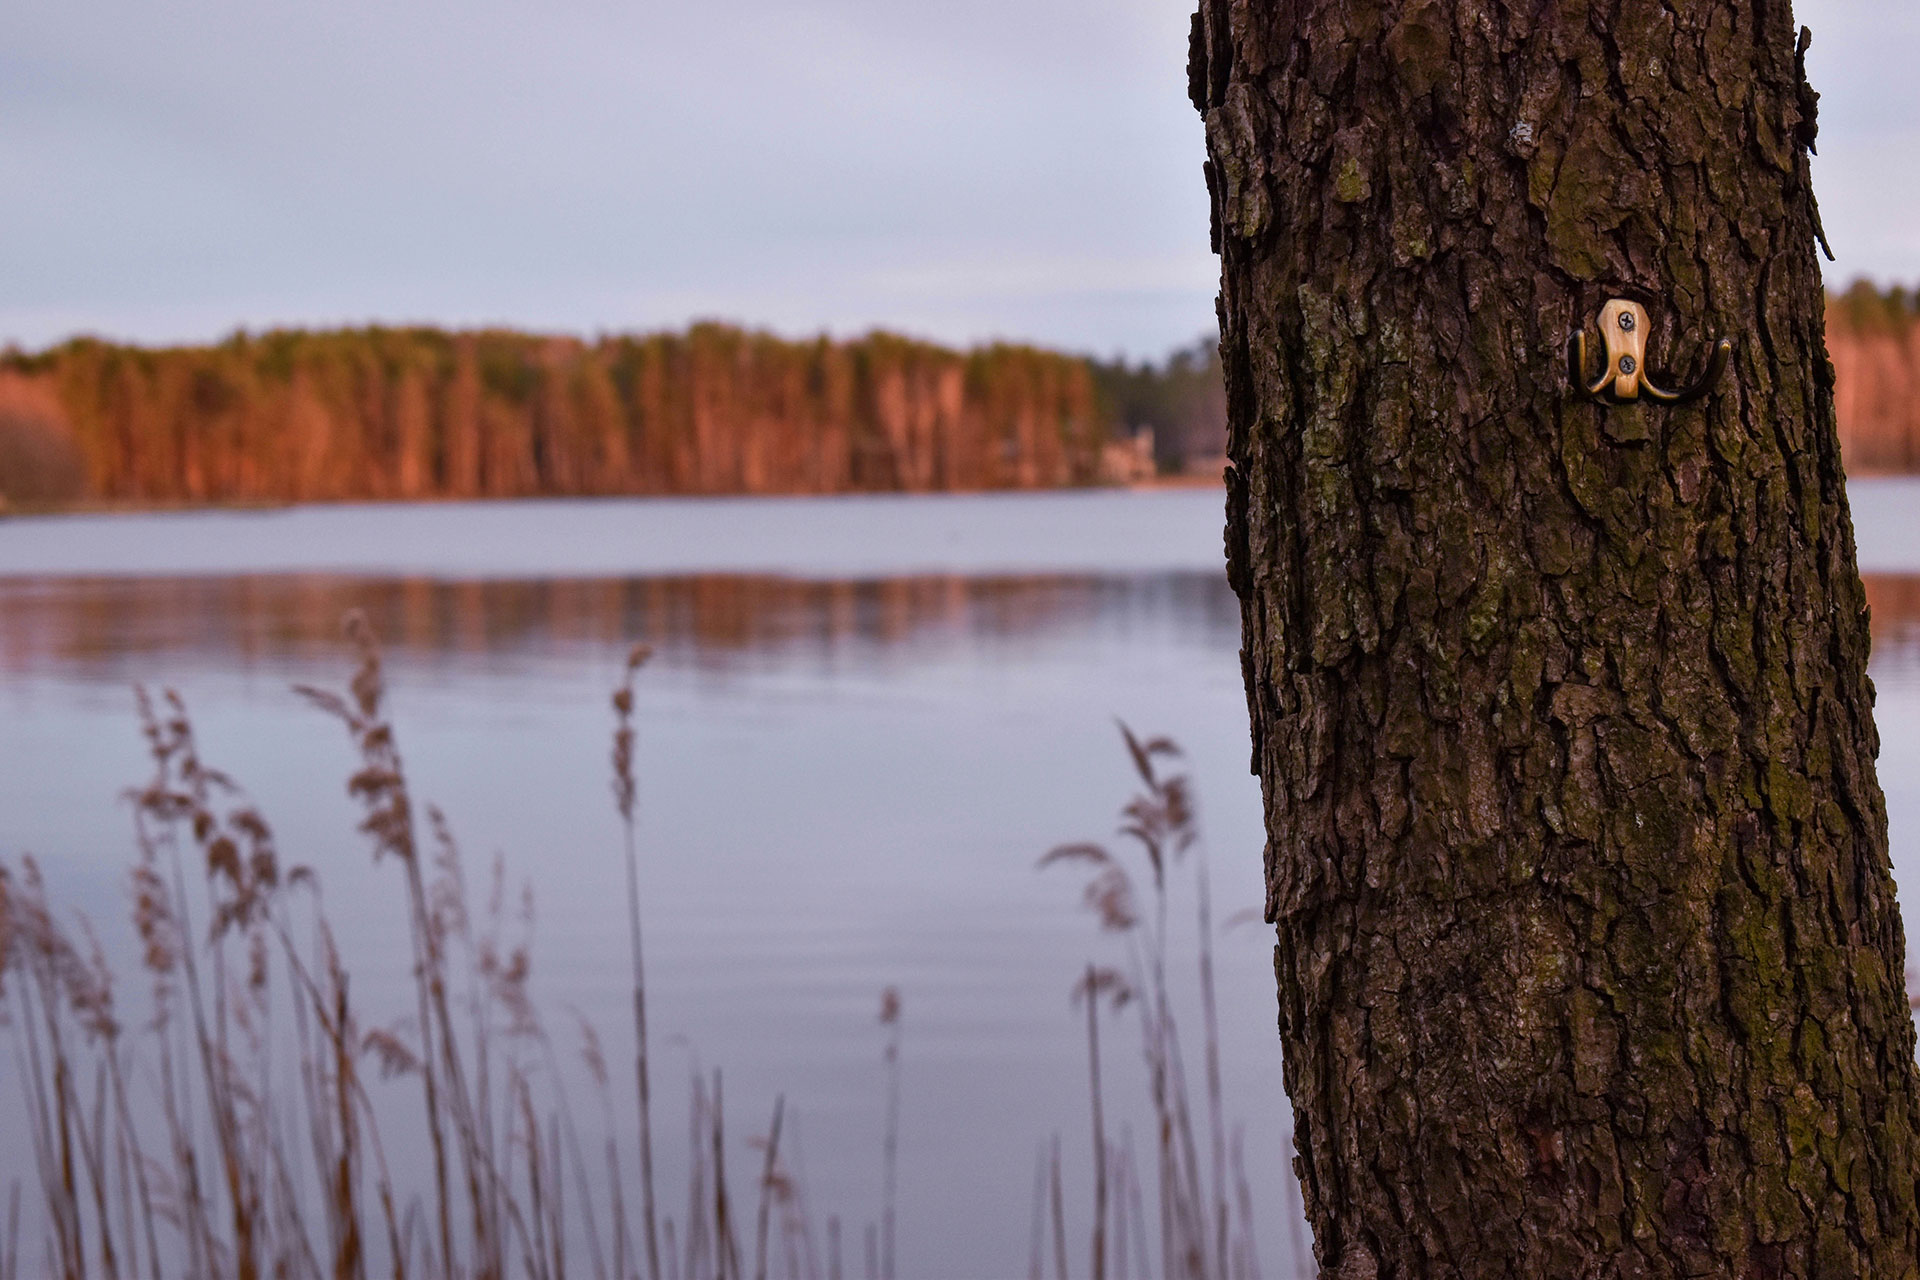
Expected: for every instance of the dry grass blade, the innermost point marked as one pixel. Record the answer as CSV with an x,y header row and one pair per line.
x,y
890,1019
1110,897
1143,753
224,1192
1058,1204
380,785
10,1259
1080,852
6,928
726,1245
625,791
1092,985
1099,981
590,1052
1243,918
1243,1193
1198,1240
768,1182
393,1055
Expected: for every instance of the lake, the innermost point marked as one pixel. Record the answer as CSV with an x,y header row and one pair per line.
x,y
865,721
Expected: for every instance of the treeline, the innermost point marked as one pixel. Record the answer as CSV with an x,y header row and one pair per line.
x,y
422,413
411,413
1874,339
1182,400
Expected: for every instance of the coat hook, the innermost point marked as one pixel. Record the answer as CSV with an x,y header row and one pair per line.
x,y
1623,326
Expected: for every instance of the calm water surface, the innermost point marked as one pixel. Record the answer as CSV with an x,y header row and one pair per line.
x,y
865,721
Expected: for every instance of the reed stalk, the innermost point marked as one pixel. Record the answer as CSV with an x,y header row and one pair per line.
x,y
625,793
10,1258
890,1020
726,1244
1198,1238
767,1189
1095,983
1136,1213
1216,1111
701,1251
1057,1201
1243,1192
300,1185
380,786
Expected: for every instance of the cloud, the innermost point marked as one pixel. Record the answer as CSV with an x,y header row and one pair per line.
x,y
1022,168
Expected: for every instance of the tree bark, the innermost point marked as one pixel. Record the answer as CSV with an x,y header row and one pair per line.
x,y
1589,961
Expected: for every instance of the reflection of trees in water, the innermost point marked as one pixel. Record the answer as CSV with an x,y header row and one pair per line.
x,y
1895,601
92,625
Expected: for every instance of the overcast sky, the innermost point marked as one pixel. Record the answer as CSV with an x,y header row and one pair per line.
x,y
959,169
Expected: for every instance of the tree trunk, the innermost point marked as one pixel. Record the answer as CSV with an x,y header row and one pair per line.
x,y
1589,961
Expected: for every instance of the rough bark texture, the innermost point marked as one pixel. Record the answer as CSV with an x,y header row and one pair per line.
x,y
1589,961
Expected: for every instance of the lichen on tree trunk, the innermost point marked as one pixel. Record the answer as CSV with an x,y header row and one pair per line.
x,y
1588,957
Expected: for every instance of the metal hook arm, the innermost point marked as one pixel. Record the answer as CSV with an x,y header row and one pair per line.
x,y
1577,370
1716,366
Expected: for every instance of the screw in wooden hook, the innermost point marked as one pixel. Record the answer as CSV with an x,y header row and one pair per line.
x,y
1623,327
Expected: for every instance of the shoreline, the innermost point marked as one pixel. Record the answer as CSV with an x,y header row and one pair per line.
x,y
168,506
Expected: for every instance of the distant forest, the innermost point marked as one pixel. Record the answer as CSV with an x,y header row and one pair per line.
x,y
1181,400
1873,336
382,413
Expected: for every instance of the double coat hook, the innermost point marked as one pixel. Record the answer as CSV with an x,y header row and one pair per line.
x,y
1623,327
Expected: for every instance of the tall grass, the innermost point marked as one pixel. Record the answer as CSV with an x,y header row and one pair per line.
x,y
625,791
1088,991
244,1126
236,1132
1207,1229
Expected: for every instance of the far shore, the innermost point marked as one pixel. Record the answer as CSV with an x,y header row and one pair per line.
x,y
154,506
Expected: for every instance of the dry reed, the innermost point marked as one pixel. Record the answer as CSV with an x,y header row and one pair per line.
x,y
180,1145
1094,984
1205,1233
625,792
183,1148
890,1152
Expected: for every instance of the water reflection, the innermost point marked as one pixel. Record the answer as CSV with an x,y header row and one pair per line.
x,y
1895,602
107,629
110,629
858,803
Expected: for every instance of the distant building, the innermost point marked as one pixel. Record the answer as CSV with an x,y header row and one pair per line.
x,y
1129,460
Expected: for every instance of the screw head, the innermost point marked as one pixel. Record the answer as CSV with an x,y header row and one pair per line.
x,y
1627,364
1626,322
